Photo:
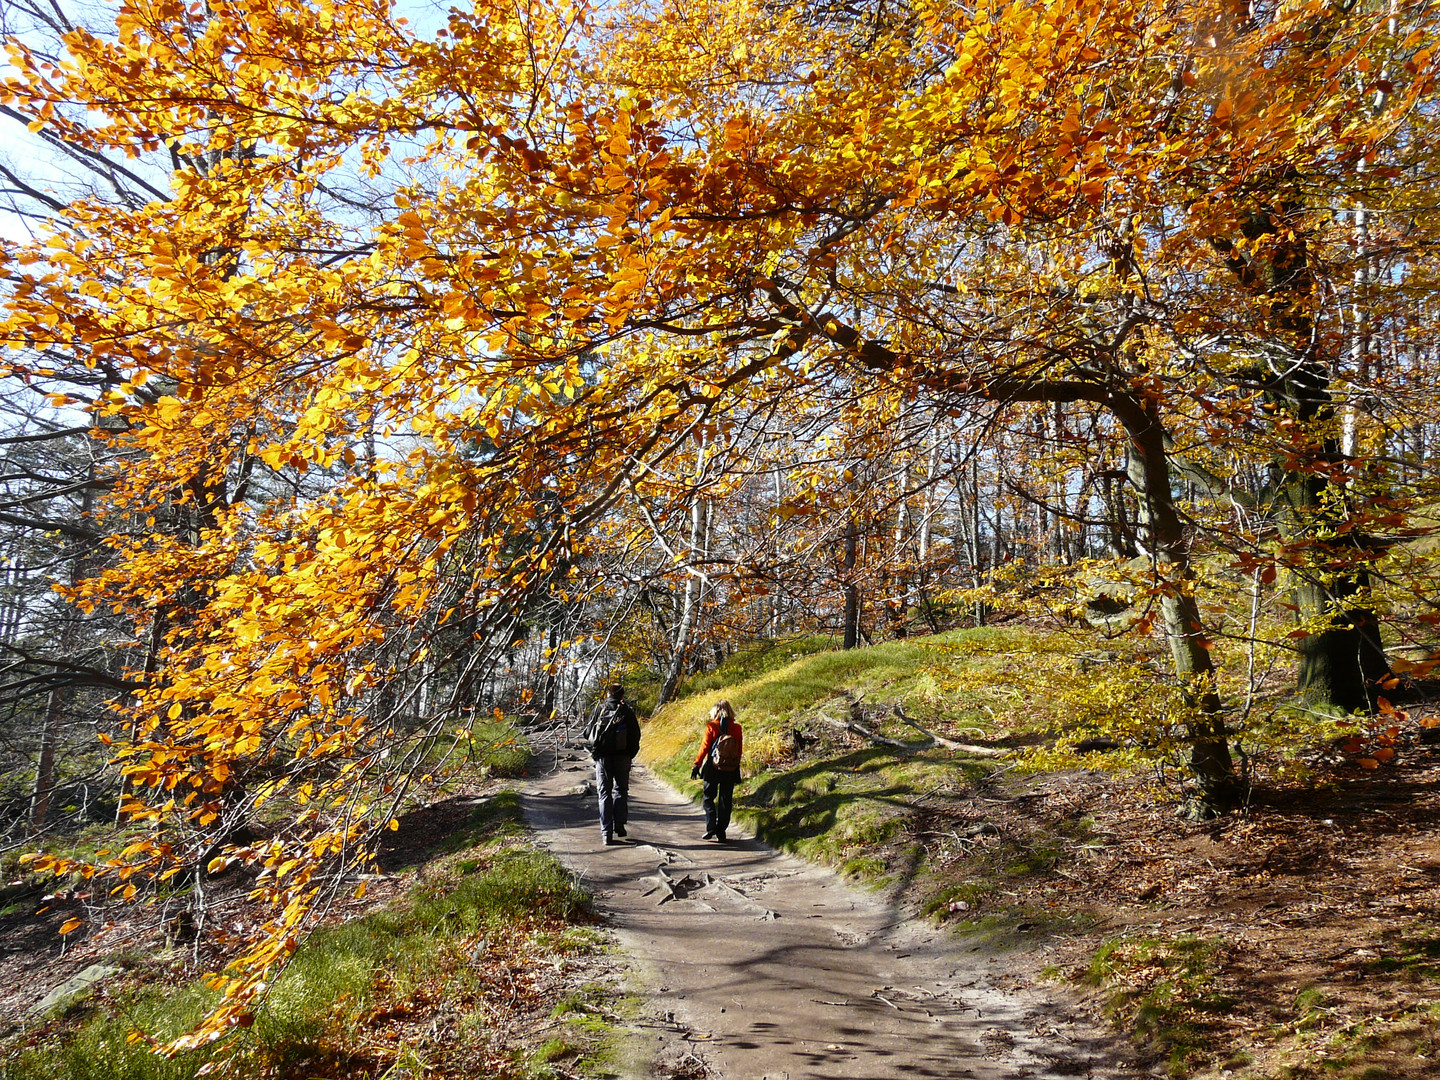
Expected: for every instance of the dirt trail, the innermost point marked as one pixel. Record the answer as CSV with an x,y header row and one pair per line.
x,y
764,966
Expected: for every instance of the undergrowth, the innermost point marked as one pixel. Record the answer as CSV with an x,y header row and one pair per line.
x,y
1165,994
464,946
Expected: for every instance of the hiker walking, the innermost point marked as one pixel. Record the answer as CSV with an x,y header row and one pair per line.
x,y
613,733
717,766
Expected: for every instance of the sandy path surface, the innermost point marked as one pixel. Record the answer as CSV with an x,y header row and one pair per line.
x,y
765,967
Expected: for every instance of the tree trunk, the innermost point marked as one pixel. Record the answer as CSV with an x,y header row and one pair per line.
x,y
58,698
1338,665
977,552
55,703
851,620
777,611
922,542
690,613
898,595
1341,666
1149,472
45,771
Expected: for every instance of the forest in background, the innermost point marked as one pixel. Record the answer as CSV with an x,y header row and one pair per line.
x,y
368,384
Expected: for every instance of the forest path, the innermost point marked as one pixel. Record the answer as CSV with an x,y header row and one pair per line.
x,y
765,966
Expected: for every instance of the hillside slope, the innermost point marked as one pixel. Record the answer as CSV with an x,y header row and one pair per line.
x,y
1294,939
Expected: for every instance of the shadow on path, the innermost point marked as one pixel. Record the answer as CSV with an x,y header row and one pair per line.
x,y
774,968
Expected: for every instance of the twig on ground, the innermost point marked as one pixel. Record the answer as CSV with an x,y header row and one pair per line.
x,y
949,744
931,739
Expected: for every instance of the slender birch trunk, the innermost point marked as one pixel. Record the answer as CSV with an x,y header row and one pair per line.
x,y
690,612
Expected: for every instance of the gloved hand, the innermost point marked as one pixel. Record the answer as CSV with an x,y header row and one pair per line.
x,y
695,772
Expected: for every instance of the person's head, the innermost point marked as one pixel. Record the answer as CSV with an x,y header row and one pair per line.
x,y
615,692
721,710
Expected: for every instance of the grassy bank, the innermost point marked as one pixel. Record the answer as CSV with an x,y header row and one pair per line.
x,y
776,688
464,973
824,792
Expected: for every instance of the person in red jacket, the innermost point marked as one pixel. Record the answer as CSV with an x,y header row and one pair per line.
x,y
717,766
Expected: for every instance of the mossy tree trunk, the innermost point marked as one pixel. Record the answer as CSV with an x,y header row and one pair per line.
x,y
1340,665
1149,472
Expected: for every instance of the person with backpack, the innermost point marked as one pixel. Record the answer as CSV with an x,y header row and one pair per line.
x,y
717,766
613,733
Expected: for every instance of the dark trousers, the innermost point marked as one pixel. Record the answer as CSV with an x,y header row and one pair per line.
x,y
612,785
717,792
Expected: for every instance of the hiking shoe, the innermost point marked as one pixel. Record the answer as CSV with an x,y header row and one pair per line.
x,y
620,831
708,835
609,840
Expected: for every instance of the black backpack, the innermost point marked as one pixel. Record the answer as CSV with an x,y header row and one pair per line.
x,y
612,730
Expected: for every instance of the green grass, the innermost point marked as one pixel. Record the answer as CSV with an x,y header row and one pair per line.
x,y
1367,1050
503,895
553,1050
500,747
1309,1008
753,662
958,897
496,819
1416,956
781,697
581,1002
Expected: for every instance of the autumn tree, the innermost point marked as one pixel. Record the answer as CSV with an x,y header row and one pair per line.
x,y
436,326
